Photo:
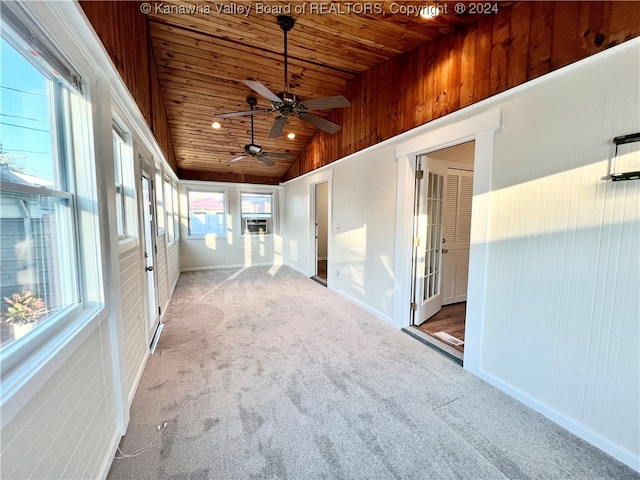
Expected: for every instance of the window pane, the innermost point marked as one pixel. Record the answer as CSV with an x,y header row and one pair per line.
x,y
159,201
256,203
38,251
36,240
206,213
169,208
25,121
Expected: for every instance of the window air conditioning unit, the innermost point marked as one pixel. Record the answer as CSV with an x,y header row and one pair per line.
x,y
255,225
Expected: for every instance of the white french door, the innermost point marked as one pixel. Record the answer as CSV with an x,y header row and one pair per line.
x,y
428,232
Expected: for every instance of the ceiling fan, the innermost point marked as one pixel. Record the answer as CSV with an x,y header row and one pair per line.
x,y
288,104
254,150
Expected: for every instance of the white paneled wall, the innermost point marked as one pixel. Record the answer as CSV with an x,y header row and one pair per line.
x,y
234,249
161,272
134,321
67,430
362,231
562,283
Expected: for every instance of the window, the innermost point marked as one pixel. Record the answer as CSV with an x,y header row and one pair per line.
x,y
159,203
38,243
169,202
257,216
176,213
125,185
207,213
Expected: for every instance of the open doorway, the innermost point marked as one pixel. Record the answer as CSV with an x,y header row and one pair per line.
x,y
442,227
321,194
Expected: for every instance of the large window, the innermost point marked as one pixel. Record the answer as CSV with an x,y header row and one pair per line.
x,y
159,203
257,213
125,185
38,242
169,209
207,213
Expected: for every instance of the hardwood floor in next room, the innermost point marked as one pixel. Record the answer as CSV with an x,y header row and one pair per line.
x,y
449,319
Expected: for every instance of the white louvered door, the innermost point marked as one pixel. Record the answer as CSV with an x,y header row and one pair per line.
x,y
457,235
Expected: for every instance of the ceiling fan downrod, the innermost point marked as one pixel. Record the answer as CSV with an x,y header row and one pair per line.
x,y
286,23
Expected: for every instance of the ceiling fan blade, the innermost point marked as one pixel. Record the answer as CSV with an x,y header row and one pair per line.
x,y
242,114
237,159
327,102
284,156
319,122
278,125
262,90
264,159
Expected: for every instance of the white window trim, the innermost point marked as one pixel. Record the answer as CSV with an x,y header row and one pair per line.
x,y
274,209
207,189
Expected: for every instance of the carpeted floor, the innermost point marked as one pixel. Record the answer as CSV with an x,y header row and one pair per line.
x,y
264,374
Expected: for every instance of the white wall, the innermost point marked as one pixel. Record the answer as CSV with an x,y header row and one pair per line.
x,y
561,319
554,277
235,249
77,400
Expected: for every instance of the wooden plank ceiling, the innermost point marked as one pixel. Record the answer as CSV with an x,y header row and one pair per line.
x,y
203,54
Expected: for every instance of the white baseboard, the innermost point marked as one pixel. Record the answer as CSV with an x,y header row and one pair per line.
x,y
225,267
363,306
594,438
293,267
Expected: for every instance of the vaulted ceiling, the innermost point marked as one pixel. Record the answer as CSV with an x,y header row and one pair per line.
x,y
204,50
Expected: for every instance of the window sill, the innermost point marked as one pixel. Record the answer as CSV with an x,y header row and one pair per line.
x,y
28,364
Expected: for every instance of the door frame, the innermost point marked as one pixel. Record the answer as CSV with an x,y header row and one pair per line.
x,y
315,233
436,136
312,247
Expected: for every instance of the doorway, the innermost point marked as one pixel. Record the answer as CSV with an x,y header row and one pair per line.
x,y
442,227
321,202
148,232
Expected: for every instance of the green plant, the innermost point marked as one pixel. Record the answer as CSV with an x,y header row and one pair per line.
x,y
25,308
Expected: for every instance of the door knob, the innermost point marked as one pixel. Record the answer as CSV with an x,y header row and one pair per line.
x,y
149,268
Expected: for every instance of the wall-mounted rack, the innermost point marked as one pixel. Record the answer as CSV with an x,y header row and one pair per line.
x,y
630,175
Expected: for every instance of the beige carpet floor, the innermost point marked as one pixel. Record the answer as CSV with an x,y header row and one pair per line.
x,y
262,373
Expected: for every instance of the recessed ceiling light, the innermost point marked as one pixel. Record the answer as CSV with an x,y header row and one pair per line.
x,y
430,11
216,125
291,136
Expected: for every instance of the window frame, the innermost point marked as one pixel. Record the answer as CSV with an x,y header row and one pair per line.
x,y
271,219
127,203
158,192
225,198
27,363
169,215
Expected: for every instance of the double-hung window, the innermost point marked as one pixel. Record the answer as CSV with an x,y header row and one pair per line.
x,y
49,267
125,185
257,213
160,215
169,209
207,212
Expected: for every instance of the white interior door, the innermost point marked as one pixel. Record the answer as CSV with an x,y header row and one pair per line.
x,y
430,194
457,235
148,231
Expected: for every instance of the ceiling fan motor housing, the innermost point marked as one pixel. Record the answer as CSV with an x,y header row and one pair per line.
x,y
253,149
